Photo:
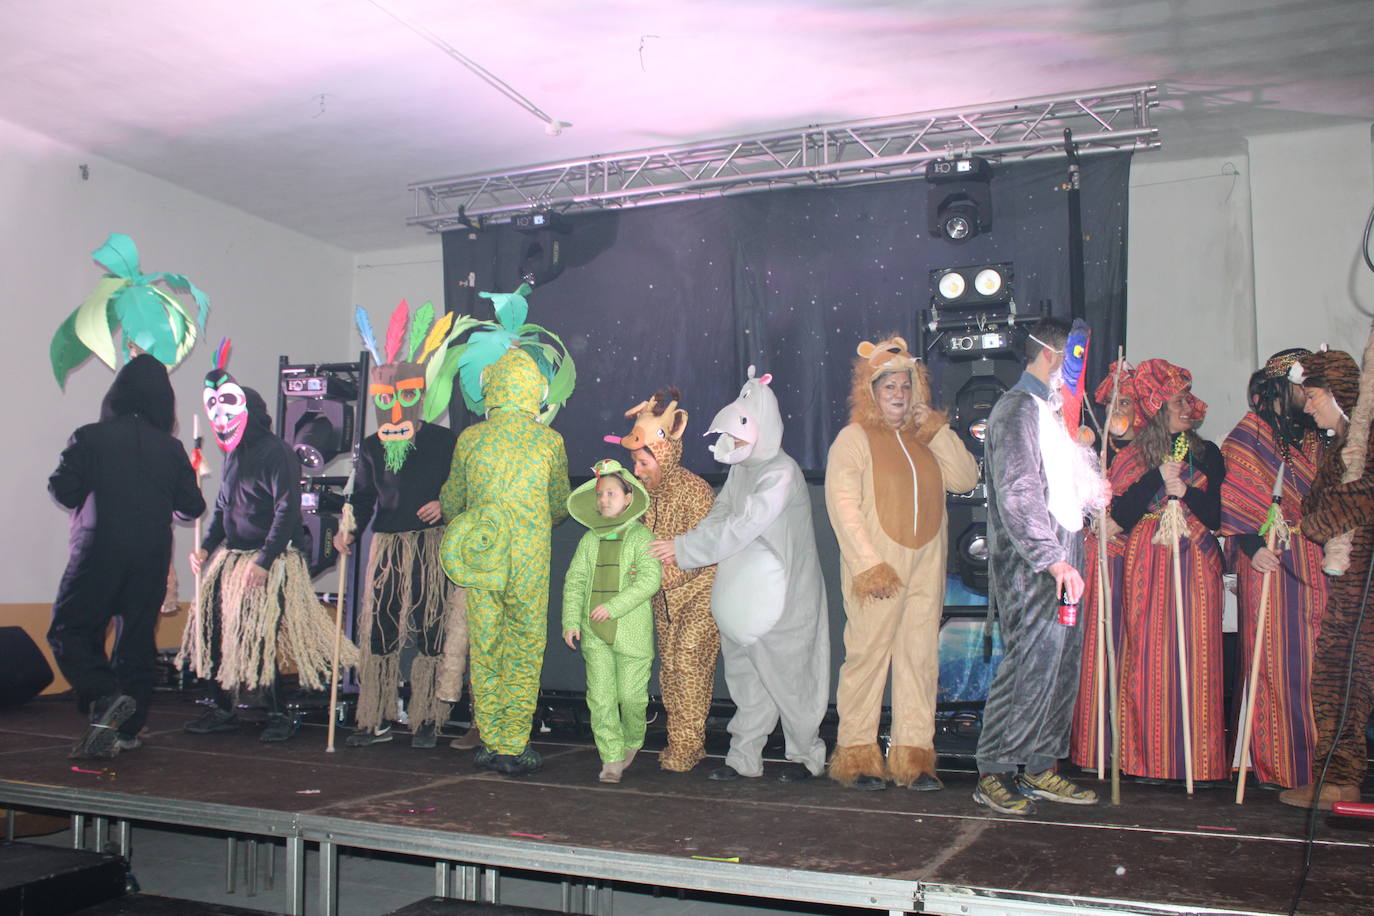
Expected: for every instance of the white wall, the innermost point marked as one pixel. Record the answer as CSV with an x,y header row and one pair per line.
x,y
273,291
1246,249
381,279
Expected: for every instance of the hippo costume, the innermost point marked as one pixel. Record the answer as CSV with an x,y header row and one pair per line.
x,y
769,597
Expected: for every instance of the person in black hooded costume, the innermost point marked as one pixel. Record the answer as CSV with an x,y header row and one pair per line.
x,y
256,601
123,478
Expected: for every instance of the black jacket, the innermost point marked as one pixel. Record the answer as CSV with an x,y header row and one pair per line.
x,y
259,502
124,476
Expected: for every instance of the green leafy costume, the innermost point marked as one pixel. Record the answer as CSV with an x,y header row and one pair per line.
x,y
507,488
612,566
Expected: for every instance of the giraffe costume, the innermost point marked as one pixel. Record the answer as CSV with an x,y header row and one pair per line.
x,y
688,641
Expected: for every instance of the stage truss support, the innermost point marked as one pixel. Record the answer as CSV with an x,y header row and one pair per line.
x,y
827,155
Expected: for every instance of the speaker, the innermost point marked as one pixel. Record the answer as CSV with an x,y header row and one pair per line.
x,y
25,672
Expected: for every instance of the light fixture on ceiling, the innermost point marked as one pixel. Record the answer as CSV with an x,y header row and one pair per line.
x,y
959,203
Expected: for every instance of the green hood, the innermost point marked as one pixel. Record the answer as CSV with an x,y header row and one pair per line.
x,y
582,502
514,382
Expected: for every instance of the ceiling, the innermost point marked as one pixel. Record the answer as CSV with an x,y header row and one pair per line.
x,y
316,114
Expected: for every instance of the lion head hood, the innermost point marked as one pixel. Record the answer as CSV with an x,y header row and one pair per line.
x,y
878,359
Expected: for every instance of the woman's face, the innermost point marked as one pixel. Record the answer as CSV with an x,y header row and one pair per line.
x,y
1180,415
893,394
1321,406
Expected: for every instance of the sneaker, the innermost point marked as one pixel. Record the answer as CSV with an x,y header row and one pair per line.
x,y
279,728
102,735
794,772
212,720
364,737
528,761
866,783
724,773
926,782
128,742
523,764
1052,787
468,740
425,737
484,759
998,791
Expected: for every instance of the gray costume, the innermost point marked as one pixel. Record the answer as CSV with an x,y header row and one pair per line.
x,y
1030,705
769,598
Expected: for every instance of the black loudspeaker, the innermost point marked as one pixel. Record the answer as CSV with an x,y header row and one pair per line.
x,y
25,671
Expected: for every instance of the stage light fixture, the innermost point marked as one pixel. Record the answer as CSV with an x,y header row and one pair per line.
x,y
317,414
971,556
976,286
959,203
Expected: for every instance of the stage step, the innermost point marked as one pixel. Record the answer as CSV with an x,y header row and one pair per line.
x,y
447,906
153,905
50,881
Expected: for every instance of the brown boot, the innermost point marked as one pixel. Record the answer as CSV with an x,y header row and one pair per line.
x,y
1301,797
467,741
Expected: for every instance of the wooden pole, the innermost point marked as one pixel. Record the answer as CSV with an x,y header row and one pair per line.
x,y
1182,662
1249,709
346,528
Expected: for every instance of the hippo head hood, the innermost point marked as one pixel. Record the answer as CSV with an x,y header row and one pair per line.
x,y
749,429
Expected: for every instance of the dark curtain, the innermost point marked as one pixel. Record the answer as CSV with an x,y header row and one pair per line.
x,y
692,293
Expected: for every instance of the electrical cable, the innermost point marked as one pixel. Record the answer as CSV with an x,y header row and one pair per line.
x,y
1364,248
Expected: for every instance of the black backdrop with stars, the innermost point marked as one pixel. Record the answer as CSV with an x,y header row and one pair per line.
x,y
691,294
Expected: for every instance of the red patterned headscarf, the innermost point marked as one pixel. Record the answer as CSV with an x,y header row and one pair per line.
x,y
1157,380
1103,394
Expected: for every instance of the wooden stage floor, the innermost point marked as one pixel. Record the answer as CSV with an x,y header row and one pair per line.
x,y
896,850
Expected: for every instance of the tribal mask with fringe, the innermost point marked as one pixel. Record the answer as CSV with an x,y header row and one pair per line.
x,y
396,382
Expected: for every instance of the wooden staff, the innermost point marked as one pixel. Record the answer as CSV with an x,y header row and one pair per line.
x,y
1277,538
1103,605
197,465
1105,591
346,526
1172,527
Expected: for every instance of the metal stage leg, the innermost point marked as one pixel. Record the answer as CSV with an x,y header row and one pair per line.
x,y
491,890
467,882
271,865
102,834
329,879
231,864
250,870
124,830
441,879
10,818
78,831
295,875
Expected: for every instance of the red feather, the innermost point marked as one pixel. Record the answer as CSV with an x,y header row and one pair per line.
x,y
396,331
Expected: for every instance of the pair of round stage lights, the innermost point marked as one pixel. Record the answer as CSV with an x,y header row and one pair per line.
x,y
987,282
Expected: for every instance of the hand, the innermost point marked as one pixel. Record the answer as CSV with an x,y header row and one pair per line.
x,y
1173,483
1112,529
197,559
663,552
1265,561
570,638
600,614
254,577
1067,581
341,542
430,513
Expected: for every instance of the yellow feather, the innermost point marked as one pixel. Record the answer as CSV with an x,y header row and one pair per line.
x,y
435,336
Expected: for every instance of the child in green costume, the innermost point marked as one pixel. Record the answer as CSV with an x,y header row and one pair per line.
x,y
607,590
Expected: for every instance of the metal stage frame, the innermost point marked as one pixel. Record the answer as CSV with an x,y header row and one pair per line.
x,y
468,866
830,155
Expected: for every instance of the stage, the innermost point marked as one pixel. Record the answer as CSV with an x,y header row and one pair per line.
x,y
815,842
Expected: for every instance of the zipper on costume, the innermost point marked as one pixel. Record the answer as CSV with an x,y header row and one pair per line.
x,y
915,484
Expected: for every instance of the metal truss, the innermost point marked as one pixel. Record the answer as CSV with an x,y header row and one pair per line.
x,y
846,153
